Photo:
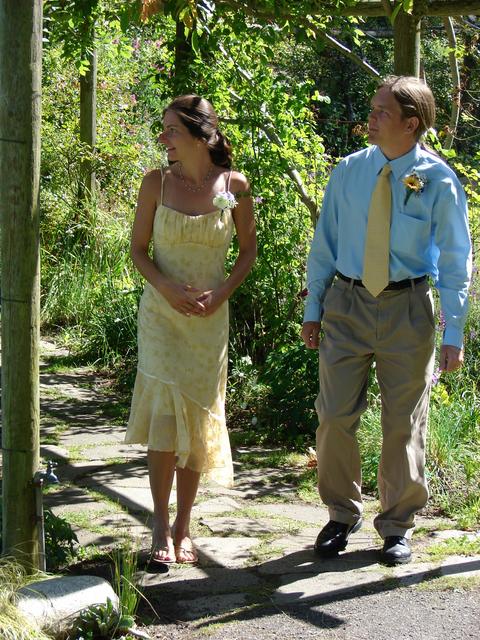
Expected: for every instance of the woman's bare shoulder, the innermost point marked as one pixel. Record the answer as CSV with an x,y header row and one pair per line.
x,y
154,176
152,181
239,183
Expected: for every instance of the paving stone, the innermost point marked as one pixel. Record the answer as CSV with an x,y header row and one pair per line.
x,y
222,504
412,573
113,529
68,390
225,552
72,471
72,499
54,452
298,556
449,534
461,566
186,581
104,451
135,499
48,348
242,526
211,605
263,482
96,438
302,512
323,584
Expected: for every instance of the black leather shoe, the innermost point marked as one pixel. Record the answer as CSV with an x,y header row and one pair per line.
x,y
334,537
396,550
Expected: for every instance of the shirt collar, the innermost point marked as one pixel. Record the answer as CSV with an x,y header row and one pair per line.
x,y
399,165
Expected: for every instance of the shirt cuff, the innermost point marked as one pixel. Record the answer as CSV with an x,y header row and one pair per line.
x,y
453,336
313,311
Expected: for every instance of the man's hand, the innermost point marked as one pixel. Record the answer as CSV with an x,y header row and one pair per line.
x,y
310,332
451,358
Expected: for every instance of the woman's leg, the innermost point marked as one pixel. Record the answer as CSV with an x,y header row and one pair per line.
x,y
187,486
161,468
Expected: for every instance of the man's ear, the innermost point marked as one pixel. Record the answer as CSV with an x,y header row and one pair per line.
x,y
412,124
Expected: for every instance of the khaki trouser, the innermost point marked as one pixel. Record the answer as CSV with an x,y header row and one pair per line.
x,y
396,330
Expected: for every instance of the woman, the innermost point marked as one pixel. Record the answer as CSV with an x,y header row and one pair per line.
x,y
190,210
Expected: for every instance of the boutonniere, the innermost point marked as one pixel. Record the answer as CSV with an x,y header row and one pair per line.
x,y
415,183
224,200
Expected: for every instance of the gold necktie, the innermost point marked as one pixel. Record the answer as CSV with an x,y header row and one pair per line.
x,y
377,242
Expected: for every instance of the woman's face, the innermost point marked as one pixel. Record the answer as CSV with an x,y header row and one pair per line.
x,y
176,137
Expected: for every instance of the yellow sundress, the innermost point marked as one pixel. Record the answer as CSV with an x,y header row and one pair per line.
x,y
178,400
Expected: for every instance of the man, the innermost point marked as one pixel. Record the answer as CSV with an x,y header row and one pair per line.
x,y
393,214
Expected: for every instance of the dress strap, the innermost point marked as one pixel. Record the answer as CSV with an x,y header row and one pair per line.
x,y
161,188
228,180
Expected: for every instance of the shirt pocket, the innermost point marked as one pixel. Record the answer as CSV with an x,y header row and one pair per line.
x,y
410,236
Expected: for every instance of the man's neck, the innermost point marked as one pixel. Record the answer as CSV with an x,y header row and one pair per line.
x,y
392,152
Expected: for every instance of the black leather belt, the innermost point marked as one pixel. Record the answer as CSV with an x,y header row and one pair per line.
x,y
392,286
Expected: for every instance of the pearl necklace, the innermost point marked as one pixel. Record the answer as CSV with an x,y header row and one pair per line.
x,y
191,187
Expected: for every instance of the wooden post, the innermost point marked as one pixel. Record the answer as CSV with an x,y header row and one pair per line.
x,y
183,82
406,33
20,113
88,124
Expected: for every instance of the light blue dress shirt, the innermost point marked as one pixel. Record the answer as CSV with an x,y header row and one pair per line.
x,y
429,233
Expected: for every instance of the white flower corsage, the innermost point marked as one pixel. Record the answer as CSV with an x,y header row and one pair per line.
x,y
415,183
224,200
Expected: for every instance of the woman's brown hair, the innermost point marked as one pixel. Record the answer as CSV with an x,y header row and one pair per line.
x,y
200,118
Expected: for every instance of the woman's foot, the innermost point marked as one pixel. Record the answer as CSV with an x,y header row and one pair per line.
x,y
185,551
162,546
184,548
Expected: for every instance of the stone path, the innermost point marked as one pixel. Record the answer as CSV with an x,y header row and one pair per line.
x,y
257,575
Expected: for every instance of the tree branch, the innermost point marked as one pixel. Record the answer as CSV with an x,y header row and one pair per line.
x,y
349,54
269,130
456,89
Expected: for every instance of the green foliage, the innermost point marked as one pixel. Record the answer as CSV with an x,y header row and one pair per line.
x,y
60,540
125,562
286,413
100,622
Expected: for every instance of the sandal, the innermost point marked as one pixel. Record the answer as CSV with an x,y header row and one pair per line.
x,y
168,558
186,554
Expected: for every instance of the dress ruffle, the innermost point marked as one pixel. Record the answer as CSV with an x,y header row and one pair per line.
x,y
165,419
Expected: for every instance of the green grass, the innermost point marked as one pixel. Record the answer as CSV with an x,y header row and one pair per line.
x,y
14,625
454,547
265,550
449,583
271,459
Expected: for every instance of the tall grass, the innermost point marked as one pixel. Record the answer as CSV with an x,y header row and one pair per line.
x,y
90,288
14,625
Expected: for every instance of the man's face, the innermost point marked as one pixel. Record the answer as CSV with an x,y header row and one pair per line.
x,y
386,124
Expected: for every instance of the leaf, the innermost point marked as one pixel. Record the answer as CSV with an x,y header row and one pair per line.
x,y
195,42
395,13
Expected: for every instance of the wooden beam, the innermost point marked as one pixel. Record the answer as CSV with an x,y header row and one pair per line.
x,y
20,116
376,8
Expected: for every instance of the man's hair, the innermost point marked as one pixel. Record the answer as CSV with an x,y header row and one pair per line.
x,y
415,99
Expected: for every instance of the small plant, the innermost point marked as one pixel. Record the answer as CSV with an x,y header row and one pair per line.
x,y
60,540
125,560
100,622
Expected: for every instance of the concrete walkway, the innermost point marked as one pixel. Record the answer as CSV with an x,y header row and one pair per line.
x,y
254,542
